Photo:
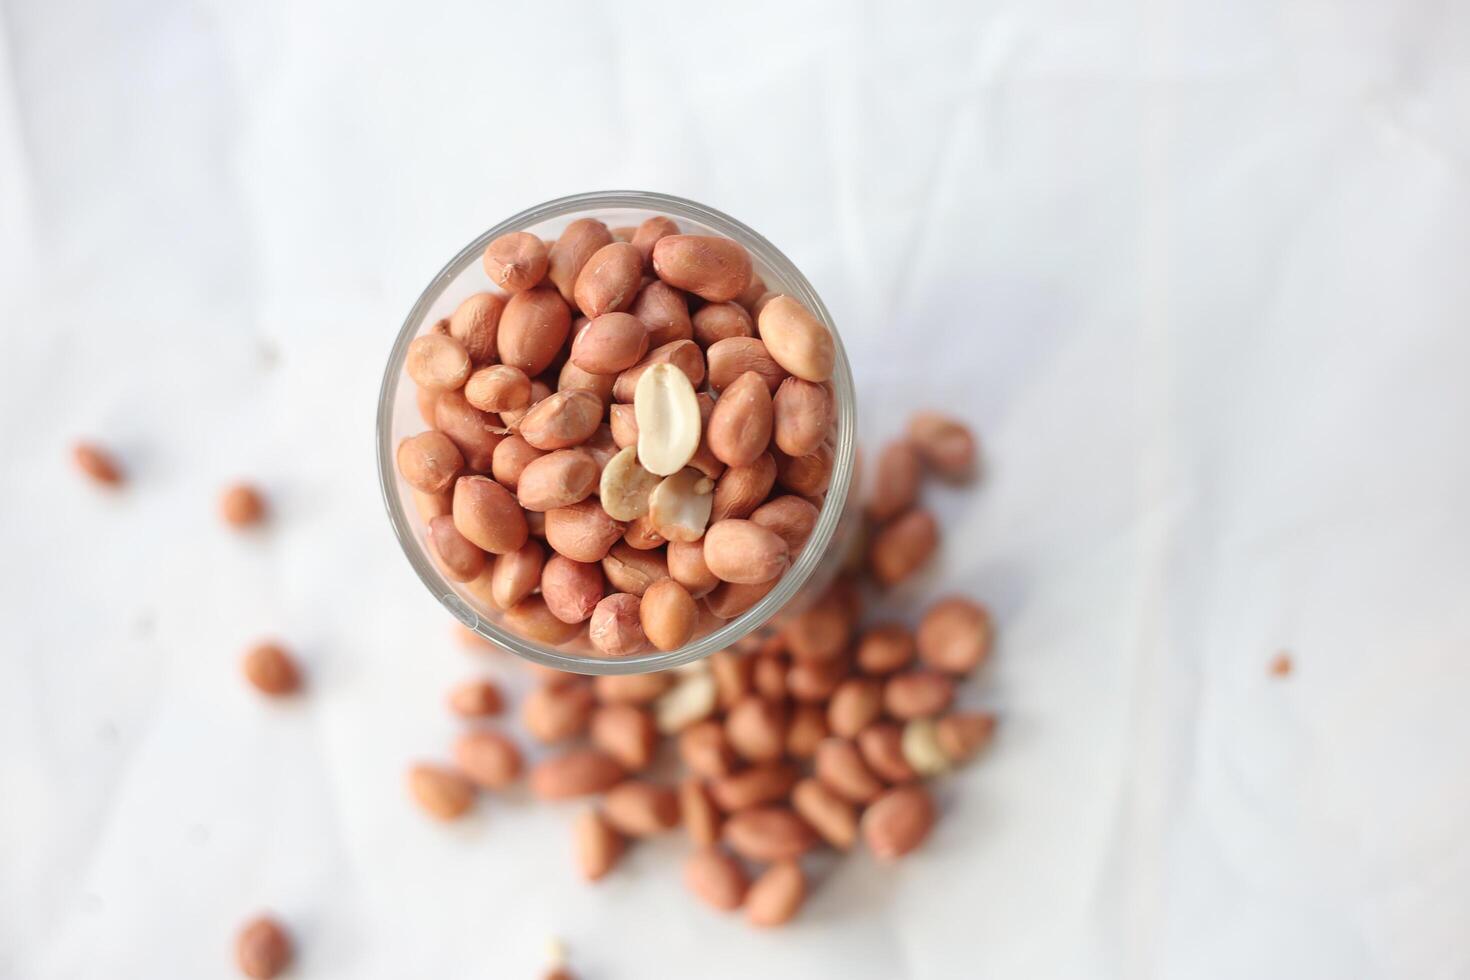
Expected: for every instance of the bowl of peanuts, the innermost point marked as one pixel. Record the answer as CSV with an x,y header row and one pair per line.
x,y
616,435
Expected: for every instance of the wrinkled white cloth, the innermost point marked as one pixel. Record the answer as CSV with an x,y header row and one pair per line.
x,y
1197,272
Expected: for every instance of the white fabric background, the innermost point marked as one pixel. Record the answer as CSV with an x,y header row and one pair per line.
x,y
1197,271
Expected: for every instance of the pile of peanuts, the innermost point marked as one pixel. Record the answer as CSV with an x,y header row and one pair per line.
x,y
637,475
817,735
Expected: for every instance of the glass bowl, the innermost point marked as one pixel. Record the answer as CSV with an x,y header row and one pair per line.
x,y
831,540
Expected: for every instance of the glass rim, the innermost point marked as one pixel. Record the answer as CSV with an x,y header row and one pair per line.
x,y
733,630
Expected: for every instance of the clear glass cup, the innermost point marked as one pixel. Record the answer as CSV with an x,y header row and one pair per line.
x,y
826,551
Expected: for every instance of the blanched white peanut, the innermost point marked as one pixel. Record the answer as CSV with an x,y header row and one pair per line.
x,y
744,488
744,552
558,479
562,420
668,419
679,507
576,245
532,329
437,362
664,311
668,614
728,359
793,518
609,280
582,531
802,412
714,269
796,339
921,748
690,700
740,426
474,323
614,630
611,343
515,261
625,486
498,388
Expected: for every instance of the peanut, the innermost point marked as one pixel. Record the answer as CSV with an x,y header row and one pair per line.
x,y
487,514
625,732
262,949
679,507
705,751
633,571
516,574
885,649
740,425
432,505
917,694
716,878
895,481
714,269
946,445
775,897
756,728
954,635
631,688
701,819
437,362
768,676
532,329
682,354
576,772
476,699
882,748
558,710
573,378
458,558
610,344
614,630
475,433
558,479
686,566
609,280
840,767
730,599
641,535
488,759
898,821
731,672
668,419
668,614
821,631
498,388
768,833
963,736
641,809
441,792
533,620
475,323
572,589
512,455
516,261
271,670
903,546
429,461
744,552
581,239
830,815
807,475
582,531
802,416
648,233
807,730
664,311
624,424
796,339
857,703
728,359
718,321
562,420
755,786
598,845
625,486
242,506
815,680
791,517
